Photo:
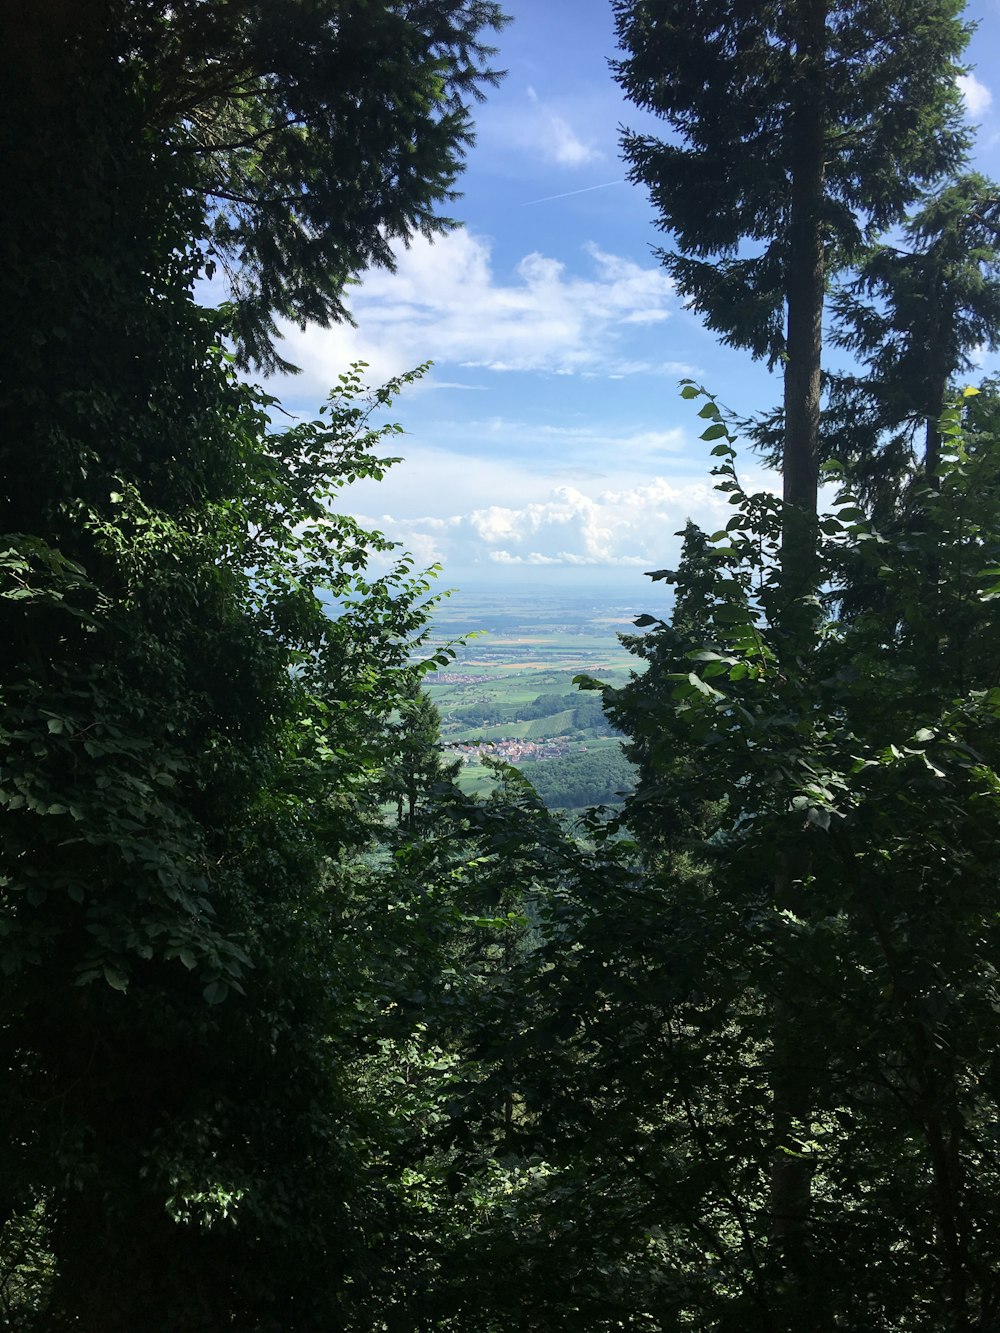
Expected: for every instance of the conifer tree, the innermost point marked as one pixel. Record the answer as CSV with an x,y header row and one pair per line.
x,y
913,315
801,129
317,133
415,765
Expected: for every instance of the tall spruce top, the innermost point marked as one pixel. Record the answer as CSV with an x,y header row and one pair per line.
x,y
730,80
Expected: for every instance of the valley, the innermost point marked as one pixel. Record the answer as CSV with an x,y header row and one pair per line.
x,y
509,695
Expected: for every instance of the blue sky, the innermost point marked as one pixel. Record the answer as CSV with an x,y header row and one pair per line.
x,y
549,441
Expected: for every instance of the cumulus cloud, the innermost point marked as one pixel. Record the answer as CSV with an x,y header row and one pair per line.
x,y
631,528
625,528
978,97
447,303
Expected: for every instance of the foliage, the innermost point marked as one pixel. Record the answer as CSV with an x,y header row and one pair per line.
x,y
575,781
162,1153
198,675
726,1060
694,991
500,869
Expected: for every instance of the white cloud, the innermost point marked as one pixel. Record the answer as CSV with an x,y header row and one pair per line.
x,y
631,528
568,528
550,136
445,302
978,97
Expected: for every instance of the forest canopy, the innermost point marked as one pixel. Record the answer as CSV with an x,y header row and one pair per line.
x,y
296,1035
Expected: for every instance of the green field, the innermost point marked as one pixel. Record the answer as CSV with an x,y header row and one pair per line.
x,y
510,695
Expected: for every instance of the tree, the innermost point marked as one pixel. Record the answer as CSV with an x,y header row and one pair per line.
x,y
912,316
654,1048
176,782
318,133
415,768
190,739
802,130
809,155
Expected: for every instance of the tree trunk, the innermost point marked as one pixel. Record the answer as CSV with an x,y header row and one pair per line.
x,y
805,286
939,370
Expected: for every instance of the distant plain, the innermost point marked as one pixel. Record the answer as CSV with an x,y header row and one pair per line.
x,y
510,692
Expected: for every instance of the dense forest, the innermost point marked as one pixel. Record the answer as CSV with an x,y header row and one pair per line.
x,y
585,712
298,1038
595,777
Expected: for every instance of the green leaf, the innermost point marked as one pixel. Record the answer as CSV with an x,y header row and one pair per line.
x,y
702,688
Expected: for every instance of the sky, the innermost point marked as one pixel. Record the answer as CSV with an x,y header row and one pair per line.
x,y
549,442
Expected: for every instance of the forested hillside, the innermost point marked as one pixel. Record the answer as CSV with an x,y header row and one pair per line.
x,y
298,1034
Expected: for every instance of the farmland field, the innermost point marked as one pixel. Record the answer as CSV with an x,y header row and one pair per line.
x,y
510,695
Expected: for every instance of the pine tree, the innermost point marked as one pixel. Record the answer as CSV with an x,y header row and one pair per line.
x,y
802,129
317,133
672,804
322,133
912,316
415,766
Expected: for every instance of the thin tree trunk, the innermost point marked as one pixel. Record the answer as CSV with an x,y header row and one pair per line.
x,y
791,1171
938,374
805,285
932,447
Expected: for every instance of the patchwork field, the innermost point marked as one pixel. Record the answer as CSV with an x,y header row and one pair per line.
x,y
510,695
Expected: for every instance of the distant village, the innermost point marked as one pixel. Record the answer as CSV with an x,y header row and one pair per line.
x,y
455,678
514,751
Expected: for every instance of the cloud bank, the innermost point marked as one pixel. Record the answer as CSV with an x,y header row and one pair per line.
x,y
630,529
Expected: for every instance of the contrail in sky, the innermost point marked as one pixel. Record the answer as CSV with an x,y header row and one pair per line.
x,y
586,190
